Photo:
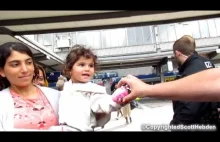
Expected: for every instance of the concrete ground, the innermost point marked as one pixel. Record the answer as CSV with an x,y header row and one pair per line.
x,y
150,111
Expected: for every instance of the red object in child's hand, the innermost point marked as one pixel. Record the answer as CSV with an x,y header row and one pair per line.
x,y
119,94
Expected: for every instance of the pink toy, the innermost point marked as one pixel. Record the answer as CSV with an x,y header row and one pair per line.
x,y
120,93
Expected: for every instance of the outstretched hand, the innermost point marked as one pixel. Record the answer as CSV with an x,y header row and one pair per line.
x,y
136,86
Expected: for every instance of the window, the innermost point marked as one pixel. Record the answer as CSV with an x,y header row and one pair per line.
x,y
217,23
106,38
131,36
73,36
114,38
40,39
171,32
195,29
81,38
162,32
48,39
139,35
186,29
212,28
204,28
179,30
148,35
96,39
89,38
118,38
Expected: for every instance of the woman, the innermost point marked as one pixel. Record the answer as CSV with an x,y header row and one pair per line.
x,y
24,105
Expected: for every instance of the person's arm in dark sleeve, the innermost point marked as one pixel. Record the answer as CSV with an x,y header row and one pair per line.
x,y
187,114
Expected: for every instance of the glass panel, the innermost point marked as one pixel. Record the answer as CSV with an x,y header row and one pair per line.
x,y
106,39
139,35
195,29
217,24
179,30
35,37
171,32
162,31
131,36
48,39
96,39
73,36
89,38
212,28
204,28
118,38
40,39
81,38
148,34
186,29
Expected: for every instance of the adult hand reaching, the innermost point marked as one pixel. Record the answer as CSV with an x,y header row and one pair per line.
x,y
138,87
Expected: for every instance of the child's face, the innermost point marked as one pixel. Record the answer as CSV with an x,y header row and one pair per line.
x,y
82,70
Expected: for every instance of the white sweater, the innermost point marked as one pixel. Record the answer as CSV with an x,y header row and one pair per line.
x,y
80,102
7,107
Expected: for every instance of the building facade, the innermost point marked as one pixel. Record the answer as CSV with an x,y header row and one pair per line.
x,y
134,40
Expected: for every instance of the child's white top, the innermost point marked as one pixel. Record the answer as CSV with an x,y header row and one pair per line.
x,y
82,103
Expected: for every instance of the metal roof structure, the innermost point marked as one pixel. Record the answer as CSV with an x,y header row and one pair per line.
x,y
15,24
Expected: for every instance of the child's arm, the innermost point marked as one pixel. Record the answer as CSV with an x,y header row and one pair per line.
x,y
103,103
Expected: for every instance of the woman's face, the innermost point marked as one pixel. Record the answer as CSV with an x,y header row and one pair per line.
x,y
18,69
40,79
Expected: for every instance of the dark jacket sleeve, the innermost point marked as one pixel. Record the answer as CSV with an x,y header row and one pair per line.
x,y
188,112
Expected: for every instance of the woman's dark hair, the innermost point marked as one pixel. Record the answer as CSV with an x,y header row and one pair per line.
x,y
5,52
75,53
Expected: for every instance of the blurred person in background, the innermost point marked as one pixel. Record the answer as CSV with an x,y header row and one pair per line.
x,y
60,82
189,63
41,77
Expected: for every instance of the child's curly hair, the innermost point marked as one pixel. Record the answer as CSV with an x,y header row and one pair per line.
x,y
75,53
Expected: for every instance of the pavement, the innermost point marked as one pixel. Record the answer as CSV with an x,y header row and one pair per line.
x,y
150,111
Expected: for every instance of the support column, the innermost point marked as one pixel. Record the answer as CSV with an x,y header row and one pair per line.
x,y
161,74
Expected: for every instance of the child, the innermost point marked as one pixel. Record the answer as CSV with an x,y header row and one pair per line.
x,y
83,105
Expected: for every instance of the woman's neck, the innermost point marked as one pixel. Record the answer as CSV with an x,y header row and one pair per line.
x,y
28,92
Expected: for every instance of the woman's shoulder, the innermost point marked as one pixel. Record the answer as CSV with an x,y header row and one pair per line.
x,y
5,97
4,93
